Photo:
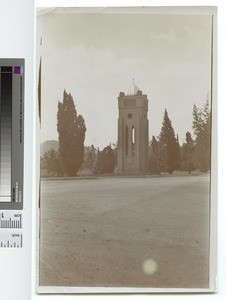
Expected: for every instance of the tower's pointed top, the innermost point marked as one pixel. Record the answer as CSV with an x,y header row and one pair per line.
x,y
133,89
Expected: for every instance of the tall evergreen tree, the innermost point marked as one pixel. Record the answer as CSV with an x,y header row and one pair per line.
x,y
154,161
169,146
71,129
187,154
201,126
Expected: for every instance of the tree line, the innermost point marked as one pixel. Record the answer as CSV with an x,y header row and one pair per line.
x,y
72,155
166,155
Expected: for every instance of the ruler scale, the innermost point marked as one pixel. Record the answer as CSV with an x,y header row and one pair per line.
x,y
11,219
11,152
11,240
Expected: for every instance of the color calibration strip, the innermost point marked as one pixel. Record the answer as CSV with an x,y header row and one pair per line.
x,y
11,133
5,134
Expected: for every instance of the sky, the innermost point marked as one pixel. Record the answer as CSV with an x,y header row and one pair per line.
x,y
95,56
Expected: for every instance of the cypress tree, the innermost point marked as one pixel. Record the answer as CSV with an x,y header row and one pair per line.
x,y
71,130
187,154
201,126
154,162
169,146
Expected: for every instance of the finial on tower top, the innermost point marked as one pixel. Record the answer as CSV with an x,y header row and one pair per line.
x,y
133,89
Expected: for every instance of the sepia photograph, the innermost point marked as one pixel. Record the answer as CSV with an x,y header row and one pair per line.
x,y
125,102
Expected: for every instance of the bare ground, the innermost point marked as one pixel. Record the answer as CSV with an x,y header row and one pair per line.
x,y
100,232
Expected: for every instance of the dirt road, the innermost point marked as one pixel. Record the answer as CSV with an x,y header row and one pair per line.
x,y
101,232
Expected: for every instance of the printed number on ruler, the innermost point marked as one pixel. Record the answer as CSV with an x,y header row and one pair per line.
x,y
11,229
10,219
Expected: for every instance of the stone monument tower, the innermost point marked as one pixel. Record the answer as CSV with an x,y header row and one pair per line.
x,y
132,154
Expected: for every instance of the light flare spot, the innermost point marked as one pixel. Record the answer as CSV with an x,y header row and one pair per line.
x,y
150,266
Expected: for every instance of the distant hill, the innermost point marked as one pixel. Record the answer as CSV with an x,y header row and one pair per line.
x,y
52,144
47,145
